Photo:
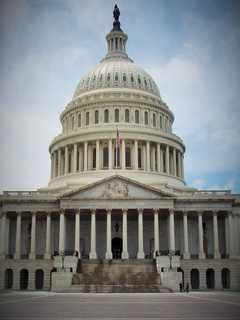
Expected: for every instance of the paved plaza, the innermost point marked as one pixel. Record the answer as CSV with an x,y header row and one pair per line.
x,y
172,306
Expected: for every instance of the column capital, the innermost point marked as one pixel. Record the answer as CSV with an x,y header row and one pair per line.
x,y
200,213
171,211
62,211
140,210
185,212
214,212
109,211
77,211
124,211
93,211
155,210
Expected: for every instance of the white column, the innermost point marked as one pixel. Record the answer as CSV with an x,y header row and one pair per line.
x,y
215,236
182,166
62,232
110,157
158,157
77,233
123,155
59,162
66,161
32,254
156,232
3,236
171,231
93,254
148,156
167,159
186,254
136,155
108,254
85,163
80,158
140,254
179,164
230,235
153,159
47,254
75,155
97,155
174,162
201,254
17,254
124,235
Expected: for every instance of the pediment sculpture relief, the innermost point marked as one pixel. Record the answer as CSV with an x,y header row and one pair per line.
x,y
115,189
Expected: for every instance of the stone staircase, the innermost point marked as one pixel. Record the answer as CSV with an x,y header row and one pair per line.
x,y
116,276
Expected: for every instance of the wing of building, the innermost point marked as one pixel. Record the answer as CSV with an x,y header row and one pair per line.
x,y
117,214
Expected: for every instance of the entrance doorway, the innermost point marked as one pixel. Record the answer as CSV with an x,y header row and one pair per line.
x,y
210,278
23,279
39,279
117,248
8,279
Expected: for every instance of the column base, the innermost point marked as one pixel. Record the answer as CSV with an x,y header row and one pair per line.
x,y
201,255
217,255
17,256
108,256
140,255
125,255
47,256
92,255
32,256
186,256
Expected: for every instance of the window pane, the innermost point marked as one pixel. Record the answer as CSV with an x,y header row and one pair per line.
x,y
127,115
79,119
116,117
154,120
137,116
106,116
146,117
128,157
87,118
96,116
105,157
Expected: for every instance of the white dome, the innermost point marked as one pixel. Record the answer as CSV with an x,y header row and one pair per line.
x,y
117,72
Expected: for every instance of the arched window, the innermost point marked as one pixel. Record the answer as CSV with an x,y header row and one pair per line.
x,y
124,77
105,157
106,116
72,122
116,77
136,116
226,280
132,79
116,115
23,279
145,82
87,118
154,120
94,158
96,116
146,117
127,115
128,157
39,279
160,122
100,78
8,279
139,80
108,77
195,279
79,120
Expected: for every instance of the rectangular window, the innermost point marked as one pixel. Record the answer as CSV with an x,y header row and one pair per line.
x,y
87,118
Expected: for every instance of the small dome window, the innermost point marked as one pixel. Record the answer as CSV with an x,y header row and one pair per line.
x,y
127,117
108,77
136,116
100,79
96,116
79,120
145,82
106,116
116,115
146,117
154,120
116,77
139,80
132,79
87,118
124,77
94,78
161,122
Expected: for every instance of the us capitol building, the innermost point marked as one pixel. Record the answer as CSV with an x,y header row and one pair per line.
x,y
117,215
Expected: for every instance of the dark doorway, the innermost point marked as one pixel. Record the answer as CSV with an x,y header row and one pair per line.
x,y
39,278
226,278
181,270
195,279
210,278
117,248
23,279
8,279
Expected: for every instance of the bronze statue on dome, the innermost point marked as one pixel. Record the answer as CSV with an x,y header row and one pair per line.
x,y
116,13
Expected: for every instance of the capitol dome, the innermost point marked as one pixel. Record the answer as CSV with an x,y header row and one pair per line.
x,y
116,123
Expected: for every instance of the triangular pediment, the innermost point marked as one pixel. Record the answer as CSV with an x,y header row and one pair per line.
x,y
116,187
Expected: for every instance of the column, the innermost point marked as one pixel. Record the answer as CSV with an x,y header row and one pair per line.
x,y
108,254
110,158
85,165
158,157
124,235
97,155
32,254
148,156
167,159
230,235
59,162
3,236
140,254
156,232
186,254
136,155
215,236
171,231
75,156
77,234
179,164
182,166
93,254
174,162
62,232
66,169
17,254
123,155
47,254
201,254
153,159
54,164
51,157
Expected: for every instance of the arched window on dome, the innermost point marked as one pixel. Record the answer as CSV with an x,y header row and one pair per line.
x,y
116,77
128,157
108,77
132,79
146,117
106,116
136,116
96,117
127,115
145,82
105,157
160,122
87,118
139,80
154,120
72,122
101,77
116,115
79,120
124,77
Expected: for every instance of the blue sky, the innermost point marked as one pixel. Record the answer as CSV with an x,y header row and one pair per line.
x,y
191,48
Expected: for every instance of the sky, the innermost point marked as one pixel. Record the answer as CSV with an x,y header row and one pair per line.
x,y
190,47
